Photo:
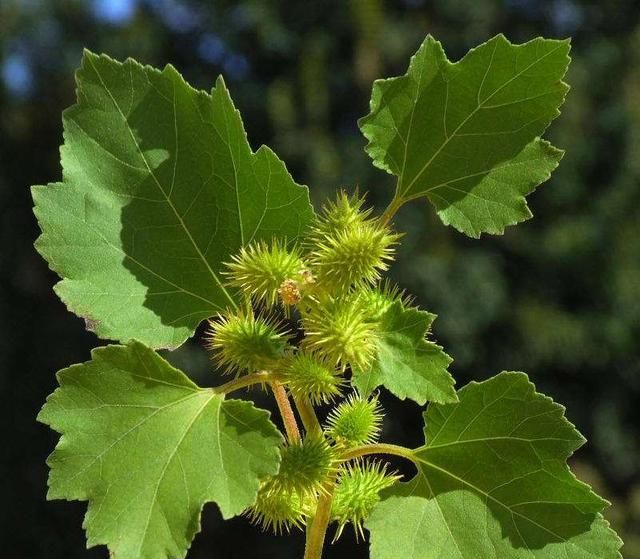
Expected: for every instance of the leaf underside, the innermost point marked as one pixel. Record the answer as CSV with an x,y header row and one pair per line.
x,y
493,482
160,187
148,448
466,135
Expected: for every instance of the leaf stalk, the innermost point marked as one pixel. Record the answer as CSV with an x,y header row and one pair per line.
x,y
263,377
379,448
391,209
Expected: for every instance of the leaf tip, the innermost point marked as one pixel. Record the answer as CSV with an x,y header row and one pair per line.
x,y
220,82
86,53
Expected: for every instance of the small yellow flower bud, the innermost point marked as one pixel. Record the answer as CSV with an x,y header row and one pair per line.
x,y
289,292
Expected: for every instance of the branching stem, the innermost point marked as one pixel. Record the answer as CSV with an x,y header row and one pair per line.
x,y
286,411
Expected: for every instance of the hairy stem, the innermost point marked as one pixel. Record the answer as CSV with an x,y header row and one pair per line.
x,y
379,448
307,414
318,530
284,405
262,377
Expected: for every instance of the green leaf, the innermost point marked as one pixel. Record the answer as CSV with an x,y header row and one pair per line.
x,y
160,186
493,482
406,363
465,134
148,448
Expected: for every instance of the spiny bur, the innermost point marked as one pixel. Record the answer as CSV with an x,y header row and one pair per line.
x,y
310,377
244,342
347,247
340,331
345,212
279,510
260,270
356,493
355,421
306,468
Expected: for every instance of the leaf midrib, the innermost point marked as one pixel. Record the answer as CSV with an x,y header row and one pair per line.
x,y
155,179
168,461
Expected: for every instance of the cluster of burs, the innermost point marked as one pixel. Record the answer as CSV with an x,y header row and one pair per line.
x,y
330,288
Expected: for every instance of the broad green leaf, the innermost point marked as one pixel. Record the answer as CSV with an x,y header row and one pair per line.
x,y
466,134
148,448
493,482
160,186
407,363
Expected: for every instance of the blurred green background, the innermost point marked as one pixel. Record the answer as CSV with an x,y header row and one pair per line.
x,y
558,296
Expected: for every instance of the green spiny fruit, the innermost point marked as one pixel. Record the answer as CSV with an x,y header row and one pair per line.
x,y
306,468
347,247
260,269
356,421
337,216
307,376
353,256
357,492
378,299
279,510
340,331
243,342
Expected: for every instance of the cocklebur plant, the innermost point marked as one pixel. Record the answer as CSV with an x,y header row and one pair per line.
x,y
166,218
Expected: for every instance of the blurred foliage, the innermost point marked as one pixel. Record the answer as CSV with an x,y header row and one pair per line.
x,y
558,296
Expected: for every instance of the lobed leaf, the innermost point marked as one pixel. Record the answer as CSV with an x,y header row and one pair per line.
x,y
160,186
493,482
406,363
148,448
466,134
